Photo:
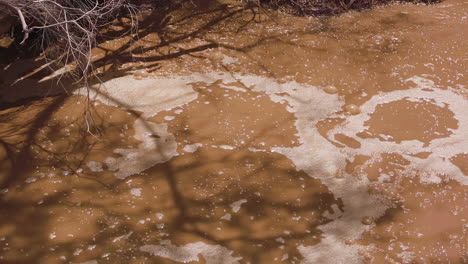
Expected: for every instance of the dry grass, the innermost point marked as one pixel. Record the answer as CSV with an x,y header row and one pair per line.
x,y
65,30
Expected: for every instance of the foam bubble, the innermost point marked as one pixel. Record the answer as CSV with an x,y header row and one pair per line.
x,y
331,89
352,109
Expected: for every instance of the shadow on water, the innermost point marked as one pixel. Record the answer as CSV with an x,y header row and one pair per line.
x,y
56,208
23,72
64,208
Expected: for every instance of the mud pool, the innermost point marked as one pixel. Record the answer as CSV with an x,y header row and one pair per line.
x,y
251,139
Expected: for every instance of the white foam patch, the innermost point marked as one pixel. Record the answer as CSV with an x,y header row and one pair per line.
x,y
213,254
192,148
89,262
123,237
226,217
157,146
236,206
94,166
320,159
136,191
333,251
315,155
229,60
148,96
441,148
336,213
256,150
160,216
232,87
227,147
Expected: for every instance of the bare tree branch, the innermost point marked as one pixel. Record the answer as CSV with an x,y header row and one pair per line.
x,y
68,29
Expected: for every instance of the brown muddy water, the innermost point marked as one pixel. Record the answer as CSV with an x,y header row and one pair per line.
x,y
221,137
